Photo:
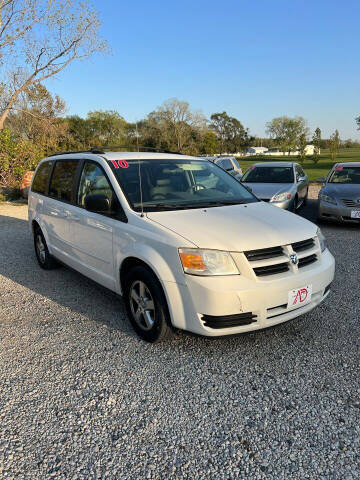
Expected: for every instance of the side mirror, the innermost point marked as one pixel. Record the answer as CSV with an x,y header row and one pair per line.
x,y
97,202
301,179
321,179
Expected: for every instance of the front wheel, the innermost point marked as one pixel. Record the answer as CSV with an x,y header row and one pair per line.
x,y
305,198
294,205
146,305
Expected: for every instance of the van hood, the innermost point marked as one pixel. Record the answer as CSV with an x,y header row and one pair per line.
x,y
237,227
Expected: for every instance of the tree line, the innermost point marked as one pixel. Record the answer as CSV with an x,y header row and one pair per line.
x,y
39,127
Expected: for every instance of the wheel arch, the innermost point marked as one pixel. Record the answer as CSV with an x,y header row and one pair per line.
x,y
130,263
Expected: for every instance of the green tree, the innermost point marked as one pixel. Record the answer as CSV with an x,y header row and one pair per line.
x,y
334,145
16,156
210,143
286,132
232,135
106,128
357,120
39,39
317,145
302,147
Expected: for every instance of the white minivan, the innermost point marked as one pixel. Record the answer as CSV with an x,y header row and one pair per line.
x,y
186,245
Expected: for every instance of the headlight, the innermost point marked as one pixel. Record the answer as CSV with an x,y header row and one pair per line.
x,y
281,197
207,262
322,239
327,198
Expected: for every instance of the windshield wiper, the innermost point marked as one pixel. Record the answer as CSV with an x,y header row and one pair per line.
x,y
165,206
169,206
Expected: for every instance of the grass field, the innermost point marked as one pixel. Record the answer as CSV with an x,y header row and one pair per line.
x,y
321,169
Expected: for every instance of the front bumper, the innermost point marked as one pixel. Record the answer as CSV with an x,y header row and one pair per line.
x,y
209,297
337,213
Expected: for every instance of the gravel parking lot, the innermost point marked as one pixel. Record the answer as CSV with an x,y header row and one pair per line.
x,y
81,397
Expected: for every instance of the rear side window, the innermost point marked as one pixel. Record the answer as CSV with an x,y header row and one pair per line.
x,y
62,180
41,178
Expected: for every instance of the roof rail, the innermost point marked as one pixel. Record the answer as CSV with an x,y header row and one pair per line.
x,y
139,148
93,150
101,150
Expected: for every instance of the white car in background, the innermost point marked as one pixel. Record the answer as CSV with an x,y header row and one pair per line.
x,y
229,164
210,260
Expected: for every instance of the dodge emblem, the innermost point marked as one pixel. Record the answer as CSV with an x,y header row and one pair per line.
x,y
294,259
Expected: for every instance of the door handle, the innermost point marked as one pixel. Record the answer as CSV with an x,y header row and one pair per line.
x,y
55,213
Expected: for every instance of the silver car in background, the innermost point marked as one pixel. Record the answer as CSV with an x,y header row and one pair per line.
x,y
284,184
229,164
339,198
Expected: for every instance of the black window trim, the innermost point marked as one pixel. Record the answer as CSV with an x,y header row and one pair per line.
x,y
121,215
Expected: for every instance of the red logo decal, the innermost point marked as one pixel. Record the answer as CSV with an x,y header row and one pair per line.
x,y
338,169
123,164
301,296
114,162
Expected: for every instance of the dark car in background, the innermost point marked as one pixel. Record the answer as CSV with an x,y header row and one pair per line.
x,y
339,198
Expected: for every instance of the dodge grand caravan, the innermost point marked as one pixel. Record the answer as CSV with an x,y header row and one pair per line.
x,y
186,245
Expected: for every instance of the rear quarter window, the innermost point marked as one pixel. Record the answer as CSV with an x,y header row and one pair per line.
x,y
41,178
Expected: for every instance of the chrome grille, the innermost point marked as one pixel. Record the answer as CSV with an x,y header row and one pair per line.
x,y
276,260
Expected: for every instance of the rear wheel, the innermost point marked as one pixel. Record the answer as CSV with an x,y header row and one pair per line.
x,y
45,260
146,305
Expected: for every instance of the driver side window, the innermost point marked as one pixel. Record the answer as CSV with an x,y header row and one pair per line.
x,y
93,181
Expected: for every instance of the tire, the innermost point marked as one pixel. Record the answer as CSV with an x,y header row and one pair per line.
x,y
142,289
294,205
305,198
45,260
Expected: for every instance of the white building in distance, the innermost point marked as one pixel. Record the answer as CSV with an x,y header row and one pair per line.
x,y
256,150
309,150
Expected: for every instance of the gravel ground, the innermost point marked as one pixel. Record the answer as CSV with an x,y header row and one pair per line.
x,y
82,398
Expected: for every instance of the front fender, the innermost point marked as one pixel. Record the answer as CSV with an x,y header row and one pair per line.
x,y
167,268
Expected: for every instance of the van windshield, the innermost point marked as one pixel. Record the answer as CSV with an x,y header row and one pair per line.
x,y
179,184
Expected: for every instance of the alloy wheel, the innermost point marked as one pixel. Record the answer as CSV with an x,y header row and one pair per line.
x,y
142,305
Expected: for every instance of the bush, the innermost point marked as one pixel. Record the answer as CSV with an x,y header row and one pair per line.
x,y
16,157
9,194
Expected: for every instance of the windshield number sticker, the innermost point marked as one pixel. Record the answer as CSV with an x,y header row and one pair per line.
x,y
120,163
